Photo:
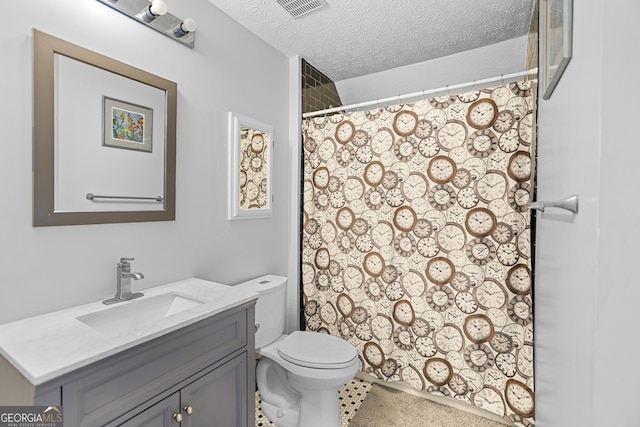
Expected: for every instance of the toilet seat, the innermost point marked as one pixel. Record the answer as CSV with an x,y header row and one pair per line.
x,y
317,350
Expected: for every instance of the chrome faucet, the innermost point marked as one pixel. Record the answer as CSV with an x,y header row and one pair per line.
x,y
123,282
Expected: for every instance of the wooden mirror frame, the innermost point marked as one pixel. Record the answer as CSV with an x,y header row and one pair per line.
x,y
44,49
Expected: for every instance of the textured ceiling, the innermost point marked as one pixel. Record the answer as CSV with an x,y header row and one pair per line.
x,y
351,38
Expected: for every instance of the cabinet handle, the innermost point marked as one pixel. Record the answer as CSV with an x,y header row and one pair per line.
x,y
177,416
188,409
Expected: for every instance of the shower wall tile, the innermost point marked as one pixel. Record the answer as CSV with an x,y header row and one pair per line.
x,y
318,91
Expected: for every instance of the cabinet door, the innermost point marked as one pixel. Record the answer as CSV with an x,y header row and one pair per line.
x,y
159,415
218,399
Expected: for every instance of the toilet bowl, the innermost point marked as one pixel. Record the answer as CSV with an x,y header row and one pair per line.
x,y
298,375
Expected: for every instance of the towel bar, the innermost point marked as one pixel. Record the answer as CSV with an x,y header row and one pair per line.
x,y
91,196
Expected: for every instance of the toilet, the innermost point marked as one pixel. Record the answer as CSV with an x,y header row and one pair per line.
x,y
299,374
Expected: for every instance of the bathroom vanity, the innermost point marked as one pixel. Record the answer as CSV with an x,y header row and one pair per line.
x,y
182,354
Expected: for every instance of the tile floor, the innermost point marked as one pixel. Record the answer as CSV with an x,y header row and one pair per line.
x,y
351,395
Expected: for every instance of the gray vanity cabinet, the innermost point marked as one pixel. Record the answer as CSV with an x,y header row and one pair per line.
x,y
218,398
215,399
205,369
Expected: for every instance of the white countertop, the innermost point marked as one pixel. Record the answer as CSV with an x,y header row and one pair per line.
x,y
45,347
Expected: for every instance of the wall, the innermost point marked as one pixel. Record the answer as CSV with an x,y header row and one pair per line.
x,y
490,61
586,284
618,284
52,268
294,295
567,246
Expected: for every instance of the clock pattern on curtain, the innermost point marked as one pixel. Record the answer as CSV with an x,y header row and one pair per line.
x,y
416,243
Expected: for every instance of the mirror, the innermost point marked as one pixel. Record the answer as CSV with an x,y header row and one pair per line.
x,y
104,139
250,144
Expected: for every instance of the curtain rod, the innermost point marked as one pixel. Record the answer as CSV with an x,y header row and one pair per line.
x,y
504,78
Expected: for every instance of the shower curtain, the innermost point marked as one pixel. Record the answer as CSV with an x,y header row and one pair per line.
x,y
416,242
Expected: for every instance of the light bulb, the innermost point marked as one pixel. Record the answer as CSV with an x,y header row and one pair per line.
x,y
158,7
155,9
187,26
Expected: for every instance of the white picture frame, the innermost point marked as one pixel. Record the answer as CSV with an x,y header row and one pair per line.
x,y
250,168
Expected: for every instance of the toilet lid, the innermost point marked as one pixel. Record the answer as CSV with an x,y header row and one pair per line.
x,y
317,350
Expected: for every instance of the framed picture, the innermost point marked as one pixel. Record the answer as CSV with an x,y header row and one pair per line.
x,y
250,177
556,33
126,125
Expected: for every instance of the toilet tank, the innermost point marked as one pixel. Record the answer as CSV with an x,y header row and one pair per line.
x,y
270,307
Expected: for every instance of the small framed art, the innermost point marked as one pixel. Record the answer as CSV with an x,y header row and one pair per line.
x,y
126,125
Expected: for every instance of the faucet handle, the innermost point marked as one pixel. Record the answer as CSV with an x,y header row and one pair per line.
x,y
125,260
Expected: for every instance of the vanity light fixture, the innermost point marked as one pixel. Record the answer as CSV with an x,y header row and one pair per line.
x,y
155,14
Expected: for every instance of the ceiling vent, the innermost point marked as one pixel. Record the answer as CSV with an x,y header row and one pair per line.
x,y
299,8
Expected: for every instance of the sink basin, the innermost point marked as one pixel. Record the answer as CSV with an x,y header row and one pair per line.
x,y
127,317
